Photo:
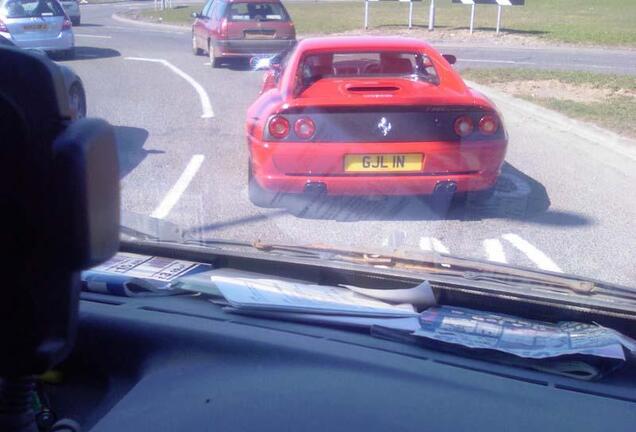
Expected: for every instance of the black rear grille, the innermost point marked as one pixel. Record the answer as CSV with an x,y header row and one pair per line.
x,y
387,124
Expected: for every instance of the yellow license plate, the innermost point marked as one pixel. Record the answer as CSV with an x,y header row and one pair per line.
x,y
383,162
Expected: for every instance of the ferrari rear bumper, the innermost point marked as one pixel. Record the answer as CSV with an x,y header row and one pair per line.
x,y
301,167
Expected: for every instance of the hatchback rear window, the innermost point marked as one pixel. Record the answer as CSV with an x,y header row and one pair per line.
x,y
31,8
252,11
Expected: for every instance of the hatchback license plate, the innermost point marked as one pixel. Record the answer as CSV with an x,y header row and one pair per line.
x,y
35,27
383,162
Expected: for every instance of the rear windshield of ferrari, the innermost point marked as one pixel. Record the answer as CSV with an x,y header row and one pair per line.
x,y
253,11
367,64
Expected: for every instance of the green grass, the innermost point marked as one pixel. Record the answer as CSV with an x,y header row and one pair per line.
x,y
599,22
616,112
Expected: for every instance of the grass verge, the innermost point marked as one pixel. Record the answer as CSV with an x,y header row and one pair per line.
x,y
594,22
604,99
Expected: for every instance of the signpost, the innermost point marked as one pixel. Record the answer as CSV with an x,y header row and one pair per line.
x,y
410,2
499,3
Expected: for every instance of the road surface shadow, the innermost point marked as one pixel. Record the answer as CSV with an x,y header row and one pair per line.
x,y
236,64
517,196
92,53
130,148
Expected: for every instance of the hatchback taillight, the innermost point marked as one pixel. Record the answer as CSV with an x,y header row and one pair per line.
x,y
223,29
3,27
67,24
463,126
304,128
278,127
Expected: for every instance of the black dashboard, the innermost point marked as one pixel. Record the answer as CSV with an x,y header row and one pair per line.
x,y
182,363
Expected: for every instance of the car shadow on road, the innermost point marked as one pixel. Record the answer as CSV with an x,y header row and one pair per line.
x,y
93,53
130,148
517,196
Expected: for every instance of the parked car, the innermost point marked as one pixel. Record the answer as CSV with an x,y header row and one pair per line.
x,y
72,9
72,83
37,24
371,116
241,29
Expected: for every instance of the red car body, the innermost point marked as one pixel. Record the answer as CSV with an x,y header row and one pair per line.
x,y
242,28
381,131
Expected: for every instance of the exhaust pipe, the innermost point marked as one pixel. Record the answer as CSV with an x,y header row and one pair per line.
x,y
445,188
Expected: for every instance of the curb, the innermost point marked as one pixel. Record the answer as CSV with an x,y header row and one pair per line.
x,y
116,17
586,131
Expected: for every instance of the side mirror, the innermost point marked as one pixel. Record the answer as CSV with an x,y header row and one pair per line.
x,y
451,59
196,15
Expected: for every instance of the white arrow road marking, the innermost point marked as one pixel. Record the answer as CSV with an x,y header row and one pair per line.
x,y
433,244
494,250
206,105
539,258
173,195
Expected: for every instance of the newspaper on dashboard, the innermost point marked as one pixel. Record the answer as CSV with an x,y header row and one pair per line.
x,y
129,274
521,337
252,291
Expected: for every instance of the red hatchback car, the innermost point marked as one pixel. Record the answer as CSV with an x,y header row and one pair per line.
x,y
371,116
242,28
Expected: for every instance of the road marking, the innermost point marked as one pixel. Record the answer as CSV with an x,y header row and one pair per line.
x,y
203,96
495,61
207,64
173,195
539,258
494,250
92,36
433,244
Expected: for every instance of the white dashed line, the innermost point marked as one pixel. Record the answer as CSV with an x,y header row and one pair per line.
x,y
494,250
433,244
92,36
206,105
535,255
173,195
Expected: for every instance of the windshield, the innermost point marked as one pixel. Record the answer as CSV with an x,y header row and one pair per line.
x,y
30,8
253,11
510,141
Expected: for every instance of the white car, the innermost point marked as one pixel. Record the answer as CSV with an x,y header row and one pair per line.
x,y
72,10
37,24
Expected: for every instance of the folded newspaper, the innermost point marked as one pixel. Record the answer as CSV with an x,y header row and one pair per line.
x,y
521,337
131,275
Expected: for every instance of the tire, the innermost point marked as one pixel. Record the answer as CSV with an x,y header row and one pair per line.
x,y
77,100
195,49
258,196
76,21
214,60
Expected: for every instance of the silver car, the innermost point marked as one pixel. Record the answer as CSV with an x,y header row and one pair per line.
x,y
72,9
37,24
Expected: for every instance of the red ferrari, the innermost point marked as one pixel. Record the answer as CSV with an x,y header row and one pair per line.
x,y
371,116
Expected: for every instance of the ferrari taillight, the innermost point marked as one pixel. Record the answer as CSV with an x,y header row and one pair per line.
x,y
488,124
278,127
304,128
463,126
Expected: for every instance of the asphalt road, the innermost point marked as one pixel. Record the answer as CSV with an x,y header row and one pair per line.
x,y
564,203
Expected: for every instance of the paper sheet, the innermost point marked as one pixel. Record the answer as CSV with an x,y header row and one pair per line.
x,y
244,290
421,296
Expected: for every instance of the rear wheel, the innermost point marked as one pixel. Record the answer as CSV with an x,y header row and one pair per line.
x,y
195,48
258,196
214,60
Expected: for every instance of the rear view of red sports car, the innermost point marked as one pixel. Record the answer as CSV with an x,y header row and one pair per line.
x,y
370,116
